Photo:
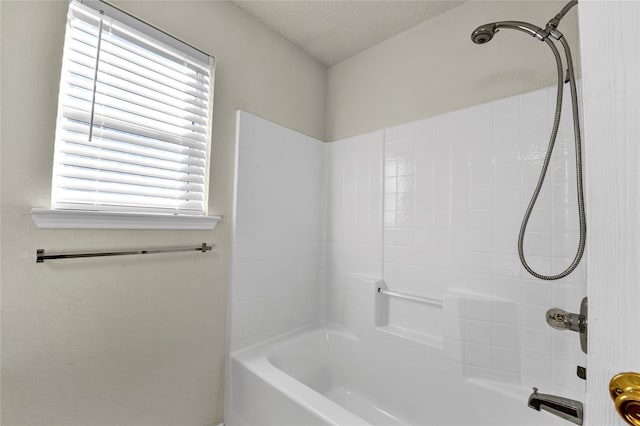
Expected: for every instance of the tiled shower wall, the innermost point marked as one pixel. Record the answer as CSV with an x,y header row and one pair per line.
x,y
276,276
455,189
434,208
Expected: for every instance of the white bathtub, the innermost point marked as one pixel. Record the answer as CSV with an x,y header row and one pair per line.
x,y
325,376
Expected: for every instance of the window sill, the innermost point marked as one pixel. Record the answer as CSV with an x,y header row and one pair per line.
x,y
78,219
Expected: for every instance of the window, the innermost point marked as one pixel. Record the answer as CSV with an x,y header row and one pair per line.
x,y
133,124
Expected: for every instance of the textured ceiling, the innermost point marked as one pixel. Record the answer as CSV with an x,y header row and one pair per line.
x,y
331,31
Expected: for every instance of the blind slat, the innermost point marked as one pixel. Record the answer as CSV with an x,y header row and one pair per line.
x,y
70,183
96,198
132,152
129,123
70,160
193,140
102,154
115,177
168,147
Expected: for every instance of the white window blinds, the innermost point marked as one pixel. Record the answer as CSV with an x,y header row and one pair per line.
x,y
133,117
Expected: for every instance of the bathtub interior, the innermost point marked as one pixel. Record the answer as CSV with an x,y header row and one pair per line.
x,y
315,359
362,376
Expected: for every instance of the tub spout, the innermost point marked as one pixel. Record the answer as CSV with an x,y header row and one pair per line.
x,y
565,408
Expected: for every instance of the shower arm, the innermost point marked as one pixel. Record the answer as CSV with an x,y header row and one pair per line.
x,y
555,21
551,29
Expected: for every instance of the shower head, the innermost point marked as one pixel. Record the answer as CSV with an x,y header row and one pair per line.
x,y
484,33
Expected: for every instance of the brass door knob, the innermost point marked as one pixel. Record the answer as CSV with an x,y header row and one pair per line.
x,y
625,392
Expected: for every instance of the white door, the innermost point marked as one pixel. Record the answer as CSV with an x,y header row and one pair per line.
x,y
610,50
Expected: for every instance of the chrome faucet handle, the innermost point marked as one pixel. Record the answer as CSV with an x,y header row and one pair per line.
x,y
562,320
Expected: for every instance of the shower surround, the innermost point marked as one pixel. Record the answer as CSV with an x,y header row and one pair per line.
x,y
430,208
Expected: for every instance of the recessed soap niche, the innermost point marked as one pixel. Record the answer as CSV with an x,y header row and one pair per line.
x,y
408,315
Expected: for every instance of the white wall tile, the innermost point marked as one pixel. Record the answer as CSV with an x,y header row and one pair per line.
x,y
533,317
537,341
506,360
506,312
536,370
537,292
478,355
479,332
509,288
506,336
479,309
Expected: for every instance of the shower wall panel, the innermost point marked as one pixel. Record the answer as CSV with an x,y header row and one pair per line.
x,y
278,231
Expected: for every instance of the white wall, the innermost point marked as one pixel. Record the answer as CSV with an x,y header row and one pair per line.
x,y
435,68
137,341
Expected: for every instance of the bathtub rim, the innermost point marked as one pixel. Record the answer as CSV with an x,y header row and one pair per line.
x,y
256,359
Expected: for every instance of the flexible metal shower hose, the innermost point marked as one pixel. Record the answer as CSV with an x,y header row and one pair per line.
x,y
547,159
